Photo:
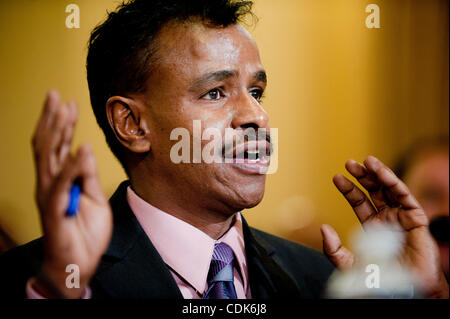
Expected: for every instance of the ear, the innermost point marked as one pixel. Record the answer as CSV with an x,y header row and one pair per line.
x,y
125,116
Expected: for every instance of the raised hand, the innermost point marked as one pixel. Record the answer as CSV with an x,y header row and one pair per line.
x,y
391,201
80,239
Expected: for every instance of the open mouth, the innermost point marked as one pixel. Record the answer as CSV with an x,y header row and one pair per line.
x,y
249,152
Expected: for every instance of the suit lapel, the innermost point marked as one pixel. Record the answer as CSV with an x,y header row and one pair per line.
x,y
267,278
131,267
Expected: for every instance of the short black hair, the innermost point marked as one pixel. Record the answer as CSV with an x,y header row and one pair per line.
x,y
120,50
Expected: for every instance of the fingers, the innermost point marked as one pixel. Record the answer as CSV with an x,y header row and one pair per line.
x,y
52,138
369,181
339,256
51,103
383,185
411,215
386,190
39,138
356,198
90,181
68,132
59,192
397,189
81,167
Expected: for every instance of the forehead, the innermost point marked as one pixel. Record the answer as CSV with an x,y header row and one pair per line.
x,y
195,47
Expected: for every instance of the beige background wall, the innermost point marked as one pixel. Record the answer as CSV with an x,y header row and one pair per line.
x,y
337,90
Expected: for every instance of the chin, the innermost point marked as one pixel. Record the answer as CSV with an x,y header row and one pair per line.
x,y
248,197
240,191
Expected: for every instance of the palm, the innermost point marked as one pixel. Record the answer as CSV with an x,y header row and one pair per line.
x,y
419,247
81,240
390,202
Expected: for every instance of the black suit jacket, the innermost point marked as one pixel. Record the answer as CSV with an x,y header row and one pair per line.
x,y
132,268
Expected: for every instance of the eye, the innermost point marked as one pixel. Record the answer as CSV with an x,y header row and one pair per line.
x,y
257,94
213,94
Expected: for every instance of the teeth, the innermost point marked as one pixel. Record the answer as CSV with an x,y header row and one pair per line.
x,y
253,155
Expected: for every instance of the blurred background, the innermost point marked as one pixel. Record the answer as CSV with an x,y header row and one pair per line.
x,y
337,90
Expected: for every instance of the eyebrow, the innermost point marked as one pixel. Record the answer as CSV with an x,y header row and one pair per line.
x,y
210,77
221,75
261,76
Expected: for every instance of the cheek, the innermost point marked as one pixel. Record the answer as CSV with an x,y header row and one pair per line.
x,y
163,125
209,130
218,118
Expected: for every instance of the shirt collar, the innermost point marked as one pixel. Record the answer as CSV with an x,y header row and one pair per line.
x,y
183,247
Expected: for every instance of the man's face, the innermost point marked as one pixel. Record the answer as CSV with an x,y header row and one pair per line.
x,y
428,180
215,76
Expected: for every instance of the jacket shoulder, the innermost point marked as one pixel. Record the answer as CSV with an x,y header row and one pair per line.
x,y
303,263
17,266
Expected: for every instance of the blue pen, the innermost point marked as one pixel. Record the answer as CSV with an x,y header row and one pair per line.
x,y
74,200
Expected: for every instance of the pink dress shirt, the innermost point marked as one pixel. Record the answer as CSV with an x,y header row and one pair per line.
x,y
186,250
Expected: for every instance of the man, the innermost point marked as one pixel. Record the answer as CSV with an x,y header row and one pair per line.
x,y
177,232
424,168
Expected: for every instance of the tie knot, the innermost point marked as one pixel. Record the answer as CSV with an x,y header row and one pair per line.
x,y
221,268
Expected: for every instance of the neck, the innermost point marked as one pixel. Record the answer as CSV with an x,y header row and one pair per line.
x,y
180,204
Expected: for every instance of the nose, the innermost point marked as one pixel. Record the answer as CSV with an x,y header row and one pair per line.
x,y
248,112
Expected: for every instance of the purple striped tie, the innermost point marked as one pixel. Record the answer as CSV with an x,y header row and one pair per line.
x,y
221,274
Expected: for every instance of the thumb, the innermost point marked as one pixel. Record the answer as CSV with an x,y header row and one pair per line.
x,y
89,176
339,256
